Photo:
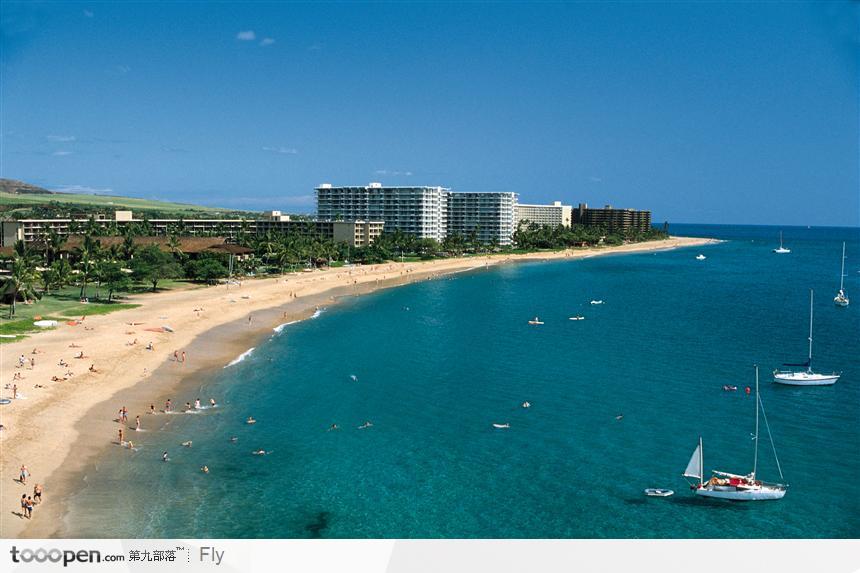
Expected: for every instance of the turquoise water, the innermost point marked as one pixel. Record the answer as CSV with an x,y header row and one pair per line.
x,y
439,361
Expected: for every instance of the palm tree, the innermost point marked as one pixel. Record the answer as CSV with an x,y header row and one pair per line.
x,y
88,253
174,245
23,277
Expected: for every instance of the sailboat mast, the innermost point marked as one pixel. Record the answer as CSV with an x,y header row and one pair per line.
x,y
811,296
701,463
842,273
780,239
755,460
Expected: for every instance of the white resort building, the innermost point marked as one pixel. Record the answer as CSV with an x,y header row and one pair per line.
x,y
553,215
418,211
490,215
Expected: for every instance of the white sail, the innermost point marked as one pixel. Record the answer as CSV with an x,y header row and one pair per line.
x,y
694,468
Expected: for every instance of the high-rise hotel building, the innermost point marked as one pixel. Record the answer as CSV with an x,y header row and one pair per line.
x,y
491,216
424,212
418,211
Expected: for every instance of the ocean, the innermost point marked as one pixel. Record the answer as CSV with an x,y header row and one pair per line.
x,y
434,364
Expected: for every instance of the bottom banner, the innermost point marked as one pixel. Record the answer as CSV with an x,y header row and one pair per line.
x,y
396,556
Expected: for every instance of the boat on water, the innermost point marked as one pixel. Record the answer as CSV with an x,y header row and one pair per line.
x,y
577,317
729,388
597,302
536,321
701,257
781,250
734,487
658,492
502,426
840,299
805,377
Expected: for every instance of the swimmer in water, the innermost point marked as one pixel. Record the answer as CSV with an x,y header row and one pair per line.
x,y
197,404
234,439
212,402
259,452
205,469
250,420
367,424
619,416
164,456
333,427
187,444
527,405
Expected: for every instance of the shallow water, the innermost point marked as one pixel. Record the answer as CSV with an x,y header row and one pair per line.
x,y
438,362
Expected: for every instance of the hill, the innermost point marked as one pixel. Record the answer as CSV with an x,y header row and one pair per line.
x,y
19,200
15,187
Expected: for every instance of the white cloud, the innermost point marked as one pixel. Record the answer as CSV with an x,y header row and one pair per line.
x,y
61,153
88,13
392,173
82,190
282,150
246,35
267,41
60,138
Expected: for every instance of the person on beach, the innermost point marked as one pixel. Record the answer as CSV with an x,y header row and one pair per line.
x,y
32,363
21,361
152,408
29,507
24,505
25,473
37,493
188,406
124,414
93,368
121,436
168,406
14,391
137,423
197,404
183,357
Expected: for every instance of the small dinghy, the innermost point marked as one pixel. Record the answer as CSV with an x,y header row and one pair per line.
x,y
597,302
502,426
578,317
658,492
701,257
536,321
729,388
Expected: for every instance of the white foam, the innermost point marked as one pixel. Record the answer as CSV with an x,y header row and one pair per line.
x,y
278,329
318,312
241,357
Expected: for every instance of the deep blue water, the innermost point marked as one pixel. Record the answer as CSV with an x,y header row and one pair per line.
x,y
433,379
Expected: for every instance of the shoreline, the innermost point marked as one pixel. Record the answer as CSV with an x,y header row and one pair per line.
x,y
60,428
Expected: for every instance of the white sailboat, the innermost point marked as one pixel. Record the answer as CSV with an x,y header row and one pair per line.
x,y
724,485
781,250
805,377
840,299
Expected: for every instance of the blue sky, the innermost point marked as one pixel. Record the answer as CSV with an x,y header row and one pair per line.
x,y
711,113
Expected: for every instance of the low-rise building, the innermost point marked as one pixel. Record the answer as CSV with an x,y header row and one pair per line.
x,y
355,233
552,215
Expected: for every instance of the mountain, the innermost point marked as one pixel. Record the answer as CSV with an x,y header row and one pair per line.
x,y
16,187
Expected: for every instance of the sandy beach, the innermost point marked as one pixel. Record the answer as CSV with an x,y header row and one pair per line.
x,y
56,426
